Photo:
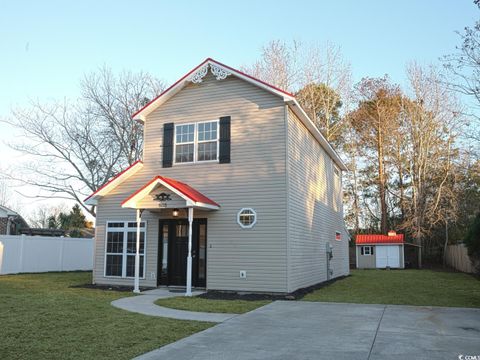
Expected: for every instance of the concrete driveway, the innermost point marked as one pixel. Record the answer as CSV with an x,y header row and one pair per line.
x,y
309,330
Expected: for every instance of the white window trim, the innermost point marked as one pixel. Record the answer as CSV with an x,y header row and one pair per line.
x,y
254,218
125,229
370,248
195,143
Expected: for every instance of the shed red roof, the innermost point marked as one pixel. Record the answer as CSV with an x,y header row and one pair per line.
x,y
379,239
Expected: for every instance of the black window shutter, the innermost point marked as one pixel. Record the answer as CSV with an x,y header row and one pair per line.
x,y
224,156
167,145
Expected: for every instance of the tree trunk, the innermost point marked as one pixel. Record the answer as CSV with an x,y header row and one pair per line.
x,y
381,183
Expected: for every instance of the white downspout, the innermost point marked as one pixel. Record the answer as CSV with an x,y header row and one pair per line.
x,y
188,292
136,288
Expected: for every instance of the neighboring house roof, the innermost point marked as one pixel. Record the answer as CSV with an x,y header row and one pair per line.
x,y
379,239
191,196
42,232
221,71
15,217
114,182
7,211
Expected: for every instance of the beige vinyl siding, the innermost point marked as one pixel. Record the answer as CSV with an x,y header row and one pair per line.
x,y
315,210
256,178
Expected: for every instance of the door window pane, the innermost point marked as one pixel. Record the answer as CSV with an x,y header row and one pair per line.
x,y
202,251
165,249
182,230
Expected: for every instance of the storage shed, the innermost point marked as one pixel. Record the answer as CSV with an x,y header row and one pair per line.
x,y
380,251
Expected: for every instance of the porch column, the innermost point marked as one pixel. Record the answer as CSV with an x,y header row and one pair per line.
x,y
188,292
136,287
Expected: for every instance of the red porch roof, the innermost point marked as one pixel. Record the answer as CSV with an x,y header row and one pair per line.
x,y
184,190
379,239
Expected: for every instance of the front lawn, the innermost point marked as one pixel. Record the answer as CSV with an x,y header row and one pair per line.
x,y
208,305
41,317
403,287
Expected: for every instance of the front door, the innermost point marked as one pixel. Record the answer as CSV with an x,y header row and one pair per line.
x,y
173,251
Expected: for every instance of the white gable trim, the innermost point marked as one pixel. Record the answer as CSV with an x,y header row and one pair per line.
x,y
112,184
133,201
221,71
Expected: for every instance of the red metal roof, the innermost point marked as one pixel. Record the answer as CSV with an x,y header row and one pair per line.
x,y
183,188
379,239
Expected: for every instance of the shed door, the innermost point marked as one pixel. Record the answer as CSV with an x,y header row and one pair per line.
x,y
387,256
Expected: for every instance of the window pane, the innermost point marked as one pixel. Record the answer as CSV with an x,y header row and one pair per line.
x,y
247,217
114,265
115,242
184,153
207,131
134,224
207,151
184,133
115,225
132,242
131,265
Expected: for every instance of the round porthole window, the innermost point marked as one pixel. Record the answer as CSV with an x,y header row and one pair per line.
x,y
246,218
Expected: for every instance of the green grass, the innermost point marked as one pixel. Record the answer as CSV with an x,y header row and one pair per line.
x,y
41,317
403,287
209,305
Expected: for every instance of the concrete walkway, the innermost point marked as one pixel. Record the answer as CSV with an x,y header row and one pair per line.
x,y
144,304
325,331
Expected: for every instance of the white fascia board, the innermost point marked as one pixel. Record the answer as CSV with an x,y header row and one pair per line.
x,y
93,199
181,84
297,109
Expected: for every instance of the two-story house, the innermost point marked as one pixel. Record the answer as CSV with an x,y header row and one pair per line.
x,y
237,191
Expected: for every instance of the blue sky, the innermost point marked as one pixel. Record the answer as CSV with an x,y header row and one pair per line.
x,y
46,46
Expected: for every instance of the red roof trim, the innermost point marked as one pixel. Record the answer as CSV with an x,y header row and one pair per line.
x,y
379,239
253,78
190,192
114,178
185,189
195,68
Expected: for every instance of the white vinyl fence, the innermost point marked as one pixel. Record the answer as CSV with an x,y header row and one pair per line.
x,y
24,254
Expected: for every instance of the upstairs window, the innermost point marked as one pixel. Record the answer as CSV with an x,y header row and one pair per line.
x,y
196,142
184,143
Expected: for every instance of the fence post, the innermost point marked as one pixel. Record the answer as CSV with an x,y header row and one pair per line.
x,y
20,260
61,252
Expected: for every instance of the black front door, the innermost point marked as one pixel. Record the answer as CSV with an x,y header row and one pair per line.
x,y
173,251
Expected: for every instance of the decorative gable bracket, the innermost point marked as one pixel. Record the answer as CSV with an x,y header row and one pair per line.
x,y
217,71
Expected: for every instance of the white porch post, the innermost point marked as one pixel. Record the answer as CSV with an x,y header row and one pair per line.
x,y
136,288
189,256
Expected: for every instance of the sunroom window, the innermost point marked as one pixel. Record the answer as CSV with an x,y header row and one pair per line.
x,y
196,142
121,248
